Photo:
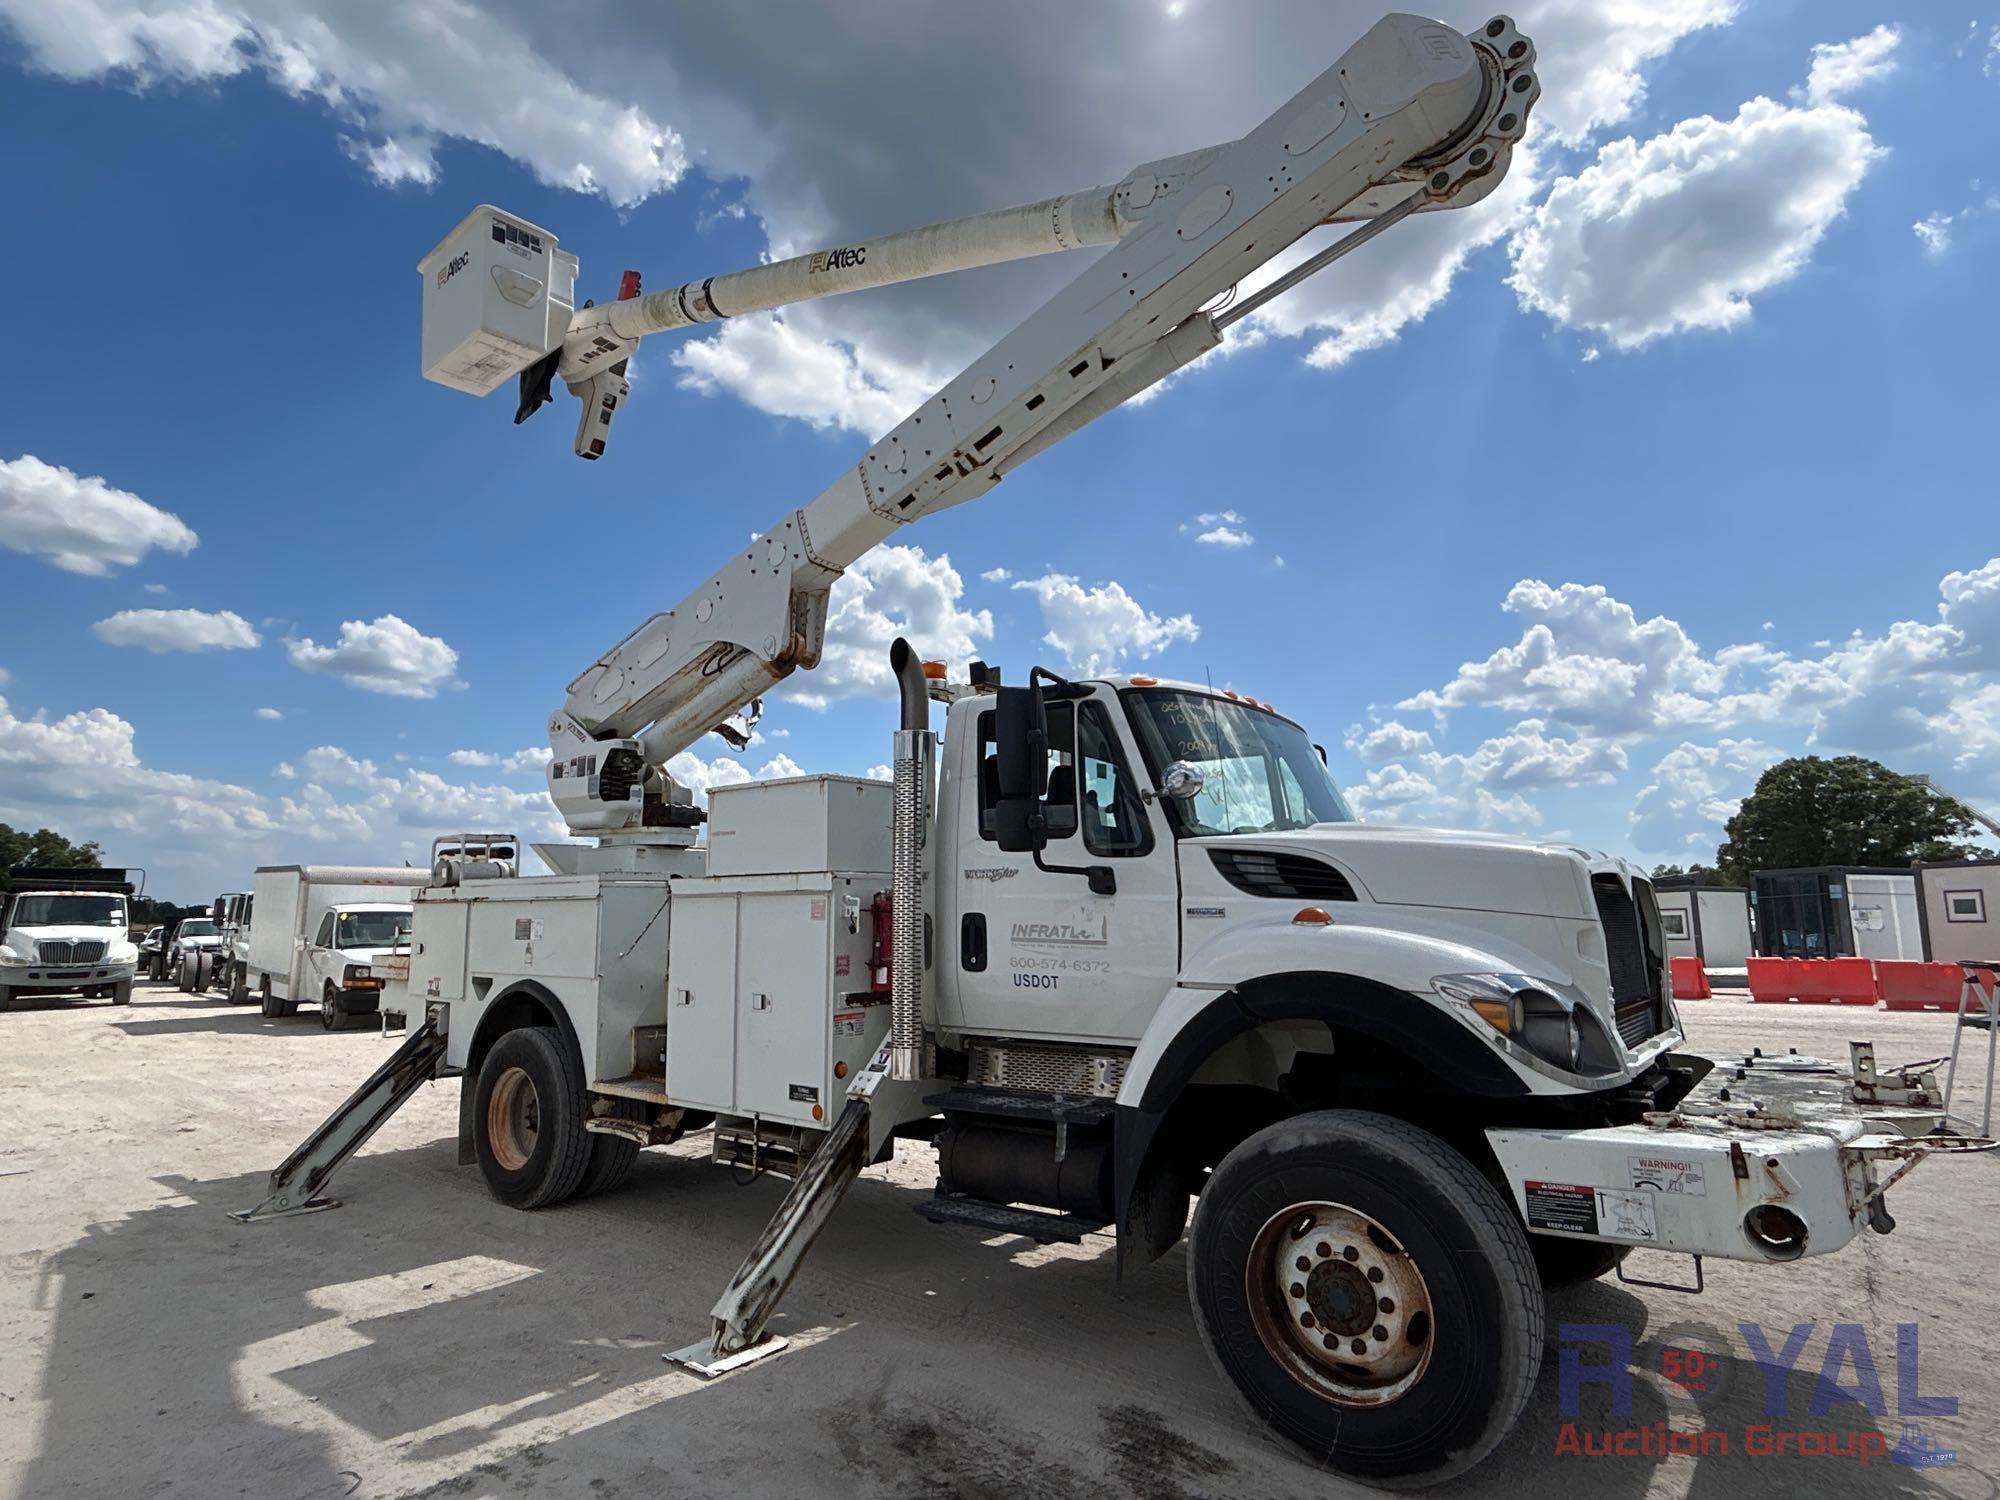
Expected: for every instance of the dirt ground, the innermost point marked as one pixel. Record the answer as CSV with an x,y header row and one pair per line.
x,y
424,1341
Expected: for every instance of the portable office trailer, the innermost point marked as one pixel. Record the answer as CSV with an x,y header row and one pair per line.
x,y
1836,911
1708,922
1958,909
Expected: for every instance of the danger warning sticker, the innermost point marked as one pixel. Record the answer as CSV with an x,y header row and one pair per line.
x,y
1562,1205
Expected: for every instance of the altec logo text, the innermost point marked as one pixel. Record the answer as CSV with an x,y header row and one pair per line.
x,y
1694,1366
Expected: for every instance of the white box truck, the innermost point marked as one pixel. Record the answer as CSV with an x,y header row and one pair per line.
x,y
319,931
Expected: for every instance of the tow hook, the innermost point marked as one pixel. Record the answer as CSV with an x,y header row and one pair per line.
x,y
1879,1218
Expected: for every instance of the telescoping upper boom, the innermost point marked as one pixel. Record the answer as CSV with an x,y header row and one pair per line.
x,y
1414,117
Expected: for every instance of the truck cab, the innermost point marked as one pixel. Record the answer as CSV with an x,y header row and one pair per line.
x,y
339,961
66,933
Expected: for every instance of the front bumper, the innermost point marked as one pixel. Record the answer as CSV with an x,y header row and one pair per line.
x,y
359,997
1768,1159
58,978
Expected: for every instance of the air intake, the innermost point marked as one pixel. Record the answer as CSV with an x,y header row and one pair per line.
x,y
1292,877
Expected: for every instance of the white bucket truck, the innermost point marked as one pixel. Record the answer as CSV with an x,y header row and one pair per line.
x,y
318,932
1121,945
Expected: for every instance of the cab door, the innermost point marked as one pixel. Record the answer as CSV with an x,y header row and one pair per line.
x,y
1037,952
314,961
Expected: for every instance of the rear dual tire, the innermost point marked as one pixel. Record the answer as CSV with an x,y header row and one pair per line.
x,y
527,1121
1369,1294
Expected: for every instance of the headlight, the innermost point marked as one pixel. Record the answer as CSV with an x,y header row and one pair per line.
x,y
358,971
1527,1012
9,956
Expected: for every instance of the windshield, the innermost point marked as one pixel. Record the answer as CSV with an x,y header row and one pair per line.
x,y
69,911
370,929
198,927
1260,773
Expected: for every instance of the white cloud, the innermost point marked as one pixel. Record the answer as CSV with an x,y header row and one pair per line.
x,y
1679,814
411,75
1391,741
767,362
82,773
80,523
383,655
154,588
1681,231
995,575
159,630
1587,659
592,102
1097,628
1839,68
1220,528
1483,789
883,772
534,758
271,714
701,776
1919,693
1934,229
894,590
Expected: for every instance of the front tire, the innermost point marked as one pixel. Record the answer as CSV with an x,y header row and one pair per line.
x,y
527,1120
239,985
121,994
329,1008
1369,1294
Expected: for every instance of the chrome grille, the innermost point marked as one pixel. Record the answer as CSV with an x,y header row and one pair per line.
x,y
1635,976
1048,1070
63,952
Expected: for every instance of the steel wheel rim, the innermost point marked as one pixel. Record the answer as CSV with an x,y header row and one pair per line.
x,y
513,1119
1339,1304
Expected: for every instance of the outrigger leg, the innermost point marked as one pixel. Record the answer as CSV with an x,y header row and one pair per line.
x,y
296,1184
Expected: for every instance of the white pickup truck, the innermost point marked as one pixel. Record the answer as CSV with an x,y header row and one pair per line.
x,y
66,933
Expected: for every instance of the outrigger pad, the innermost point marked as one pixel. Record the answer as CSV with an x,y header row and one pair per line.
x,y
705,1362
276,1207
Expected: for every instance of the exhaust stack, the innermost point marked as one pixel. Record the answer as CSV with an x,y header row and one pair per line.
x,y
916,748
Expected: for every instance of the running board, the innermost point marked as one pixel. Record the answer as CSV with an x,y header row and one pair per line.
x,y
1039,1225
296,1184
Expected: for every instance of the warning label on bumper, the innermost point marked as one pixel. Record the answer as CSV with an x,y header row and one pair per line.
x,y
1562,1205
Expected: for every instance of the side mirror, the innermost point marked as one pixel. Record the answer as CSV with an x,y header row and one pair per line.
x,y
1021,753
1181,781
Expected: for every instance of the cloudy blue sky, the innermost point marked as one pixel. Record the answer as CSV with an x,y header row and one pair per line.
x,y
1566,514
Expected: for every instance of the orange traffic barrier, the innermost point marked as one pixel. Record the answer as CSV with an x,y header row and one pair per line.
x,y
1690,979
1813,981
1910,985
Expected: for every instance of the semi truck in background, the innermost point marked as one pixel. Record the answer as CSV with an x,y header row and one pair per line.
x,y
66,932
318,933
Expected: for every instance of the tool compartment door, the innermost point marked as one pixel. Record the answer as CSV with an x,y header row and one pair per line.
x,y
783,1021
701,1000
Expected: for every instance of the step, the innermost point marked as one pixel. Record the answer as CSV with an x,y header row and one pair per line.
x,y
1039,1225
1023,1104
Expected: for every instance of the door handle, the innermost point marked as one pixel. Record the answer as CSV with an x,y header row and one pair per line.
x,y
972,942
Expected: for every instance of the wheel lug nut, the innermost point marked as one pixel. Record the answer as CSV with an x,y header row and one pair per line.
x,y
1351,1253
1304,1264
1386,1304
1358,1347
1298,1289
1305,1320
1322,1249
1375,1273
1381,1334
1332,1342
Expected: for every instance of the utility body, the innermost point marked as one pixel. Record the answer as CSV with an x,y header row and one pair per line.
x,y
1113,945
